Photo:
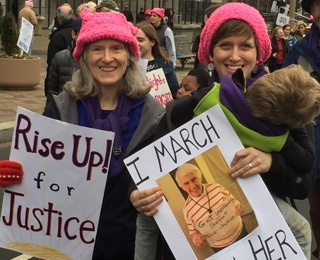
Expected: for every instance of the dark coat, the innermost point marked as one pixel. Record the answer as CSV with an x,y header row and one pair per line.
x,y
271,62
140,17
61,70
60,39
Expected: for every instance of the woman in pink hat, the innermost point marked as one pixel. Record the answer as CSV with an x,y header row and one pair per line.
x,y
109,93
164,33
235,37
147,14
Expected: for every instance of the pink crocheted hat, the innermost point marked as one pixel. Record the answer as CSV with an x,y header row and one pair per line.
x,y
239,11
158,11
28,3
106,25
147,12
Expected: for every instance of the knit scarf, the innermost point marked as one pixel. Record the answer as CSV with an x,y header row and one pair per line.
x,y
313,43
115,122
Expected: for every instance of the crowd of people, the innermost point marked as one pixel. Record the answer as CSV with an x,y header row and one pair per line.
x,y
96,76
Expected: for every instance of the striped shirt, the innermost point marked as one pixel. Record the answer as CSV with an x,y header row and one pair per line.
x,y
218,219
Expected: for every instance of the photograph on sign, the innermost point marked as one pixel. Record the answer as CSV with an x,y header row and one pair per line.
x,y
209,206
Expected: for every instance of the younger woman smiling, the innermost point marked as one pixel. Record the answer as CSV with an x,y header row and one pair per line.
x,y
150,50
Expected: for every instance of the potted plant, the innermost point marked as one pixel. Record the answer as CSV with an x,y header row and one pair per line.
x,y
17,71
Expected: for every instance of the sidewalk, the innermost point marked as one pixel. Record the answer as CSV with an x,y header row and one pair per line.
x,y
34,99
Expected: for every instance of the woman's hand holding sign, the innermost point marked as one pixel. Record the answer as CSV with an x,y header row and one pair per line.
x,y
146,201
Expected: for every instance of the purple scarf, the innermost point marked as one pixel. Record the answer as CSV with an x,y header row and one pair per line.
x,y
313,43
115,122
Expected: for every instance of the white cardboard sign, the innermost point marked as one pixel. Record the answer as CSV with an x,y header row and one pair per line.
x,y
54,212
210,141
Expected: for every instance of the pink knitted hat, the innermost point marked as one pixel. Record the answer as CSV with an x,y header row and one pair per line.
x,y
28,3
158,11
239,11
106,25
147,12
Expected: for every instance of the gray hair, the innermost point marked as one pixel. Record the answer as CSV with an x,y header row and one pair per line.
x,y
83,85
185,169
62,15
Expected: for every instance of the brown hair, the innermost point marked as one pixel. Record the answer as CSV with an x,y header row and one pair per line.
x,y
285,26
151,33
232,27
289,97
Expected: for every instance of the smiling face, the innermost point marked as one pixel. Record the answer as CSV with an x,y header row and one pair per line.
x,y
107,61
234,52
191,184
279,33
145,44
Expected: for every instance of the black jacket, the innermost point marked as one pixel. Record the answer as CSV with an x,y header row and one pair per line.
x,y
271,62
61,70
60,39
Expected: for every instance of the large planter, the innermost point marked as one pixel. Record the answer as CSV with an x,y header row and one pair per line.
x,y
19,73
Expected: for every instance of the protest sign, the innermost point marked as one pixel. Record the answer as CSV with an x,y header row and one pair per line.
x,y
209,142
282,19
159,86
54,212
25,36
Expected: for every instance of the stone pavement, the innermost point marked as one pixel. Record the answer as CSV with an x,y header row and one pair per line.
x,y
34,99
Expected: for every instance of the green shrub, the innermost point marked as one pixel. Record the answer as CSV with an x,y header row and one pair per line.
x,y
9,34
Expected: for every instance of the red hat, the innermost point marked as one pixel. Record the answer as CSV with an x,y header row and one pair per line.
x,y
158,11
94,27
147,12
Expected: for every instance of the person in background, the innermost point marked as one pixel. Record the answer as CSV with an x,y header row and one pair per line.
x,y
291,40
306,52
109,93
27,13
195,79
55,24
147,14
150,50
301,25
91,6
164,34
107,6
128,14
140,16
63,65
60,38
297,34
168,18
234,36
279,49
196,42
